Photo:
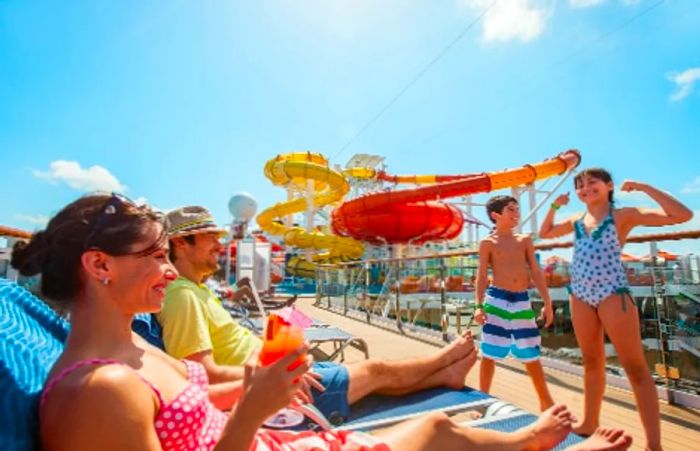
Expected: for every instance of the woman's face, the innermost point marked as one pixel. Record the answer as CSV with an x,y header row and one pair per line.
x,y
592,190
141,280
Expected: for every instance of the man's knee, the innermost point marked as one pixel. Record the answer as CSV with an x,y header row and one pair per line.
x,y
372,368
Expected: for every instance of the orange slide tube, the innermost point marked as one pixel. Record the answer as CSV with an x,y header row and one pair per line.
x,y
417,215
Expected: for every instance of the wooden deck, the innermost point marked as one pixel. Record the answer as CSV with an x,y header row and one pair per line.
x,y
680,426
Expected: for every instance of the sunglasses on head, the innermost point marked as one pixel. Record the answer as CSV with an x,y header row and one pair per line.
x,y
114,207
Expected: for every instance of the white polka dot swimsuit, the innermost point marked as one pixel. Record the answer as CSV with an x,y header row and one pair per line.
x,y
597,270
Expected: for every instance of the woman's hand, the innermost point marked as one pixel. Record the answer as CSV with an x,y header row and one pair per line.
x,y
269,389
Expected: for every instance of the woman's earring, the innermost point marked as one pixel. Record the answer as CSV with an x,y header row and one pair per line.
x,y
105,281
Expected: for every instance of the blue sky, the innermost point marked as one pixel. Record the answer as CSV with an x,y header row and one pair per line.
x,y
182,102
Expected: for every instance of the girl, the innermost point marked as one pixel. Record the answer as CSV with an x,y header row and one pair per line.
x,y
600,299
107,259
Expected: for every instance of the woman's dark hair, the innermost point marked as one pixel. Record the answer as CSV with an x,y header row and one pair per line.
x,y
596,173
109,223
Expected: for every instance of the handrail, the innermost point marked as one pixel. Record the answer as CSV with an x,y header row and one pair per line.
x,y
666,236
11,232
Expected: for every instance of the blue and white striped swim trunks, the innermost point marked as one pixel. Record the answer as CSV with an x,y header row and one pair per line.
x,y
510,326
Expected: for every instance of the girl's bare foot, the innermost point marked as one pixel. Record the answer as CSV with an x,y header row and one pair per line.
x,y
553,425
583,429
604,439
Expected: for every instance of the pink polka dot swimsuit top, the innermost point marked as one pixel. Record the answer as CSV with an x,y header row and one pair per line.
x,y
188,422
192,422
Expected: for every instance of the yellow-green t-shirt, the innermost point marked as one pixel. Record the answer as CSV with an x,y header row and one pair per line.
x,y
194,320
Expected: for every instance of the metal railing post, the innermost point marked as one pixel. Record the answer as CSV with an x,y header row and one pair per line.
x,y
444,320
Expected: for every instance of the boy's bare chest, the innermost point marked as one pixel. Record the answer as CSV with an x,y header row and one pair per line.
x,y
507,249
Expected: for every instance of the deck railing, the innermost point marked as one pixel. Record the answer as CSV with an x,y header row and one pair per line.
x,y
431,298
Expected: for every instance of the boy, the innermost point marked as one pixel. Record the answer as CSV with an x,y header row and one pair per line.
x,y
505,312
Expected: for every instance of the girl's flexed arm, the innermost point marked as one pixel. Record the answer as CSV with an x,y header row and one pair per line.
x,y
672,211
551,230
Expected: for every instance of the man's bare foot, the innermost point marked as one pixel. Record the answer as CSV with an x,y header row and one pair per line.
x,y
551,428
456,373
604,439
457,350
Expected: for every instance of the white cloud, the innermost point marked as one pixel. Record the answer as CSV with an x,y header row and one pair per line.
x,y
507,20
693,187
38,219
94,178
140,201
685,82
589,3
585,3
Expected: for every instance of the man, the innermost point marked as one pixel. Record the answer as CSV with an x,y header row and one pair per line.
x,y
197,327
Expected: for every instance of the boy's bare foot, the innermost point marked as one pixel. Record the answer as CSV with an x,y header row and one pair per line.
x,y
604,439
551,428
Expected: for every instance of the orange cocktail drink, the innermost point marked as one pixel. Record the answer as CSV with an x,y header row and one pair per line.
x,y
280,339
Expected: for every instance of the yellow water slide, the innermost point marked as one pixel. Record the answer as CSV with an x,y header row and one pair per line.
x,y
304,171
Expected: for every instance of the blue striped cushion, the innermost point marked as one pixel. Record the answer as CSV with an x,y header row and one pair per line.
x,y
146,325
31,339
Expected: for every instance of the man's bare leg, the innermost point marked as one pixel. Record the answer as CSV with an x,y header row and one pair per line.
x,y
448,367
437,431
451,376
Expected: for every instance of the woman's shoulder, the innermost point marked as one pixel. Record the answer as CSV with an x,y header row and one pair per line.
x,y
95,383
102,401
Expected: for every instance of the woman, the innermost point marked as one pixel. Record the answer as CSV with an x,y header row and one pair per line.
x,y
106,259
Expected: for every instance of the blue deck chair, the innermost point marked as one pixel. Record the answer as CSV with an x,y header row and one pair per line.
x,y
318,334
340,339
381,410
146,325
32,337
31,340
516,420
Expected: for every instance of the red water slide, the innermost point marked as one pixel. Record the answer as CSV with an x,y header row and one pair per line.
x,y
418,215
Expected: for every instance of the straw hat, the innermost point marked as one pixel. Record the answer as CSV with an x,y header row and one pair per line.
x,y
190,220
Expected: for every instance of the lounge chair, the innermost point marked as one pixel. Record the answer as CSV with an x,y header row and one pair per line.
x,y
31,340
319,335
32,337
513,421
382,410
